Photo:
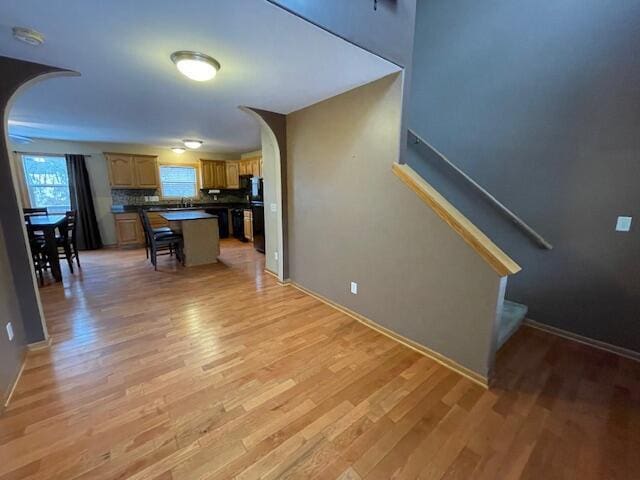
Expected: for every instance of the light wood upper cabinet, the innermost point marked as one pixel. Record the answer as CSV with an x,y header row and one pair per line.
x,y
233,174
121,174
207,171
250,166
132,171
220,175
146,172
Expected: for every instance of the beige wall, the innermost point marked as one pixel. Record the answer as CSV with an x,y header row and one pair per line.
x,y
97,167
351,219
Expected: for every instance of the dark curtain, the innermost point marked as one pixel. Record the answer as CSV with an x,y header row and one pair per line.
x,y
88,234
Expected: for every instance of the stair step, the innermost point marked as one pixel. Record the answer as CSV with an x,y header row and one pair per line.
x,y
513,314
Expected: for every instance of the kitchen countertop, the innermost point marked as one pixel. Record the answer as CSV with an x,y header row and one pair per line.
x,y
186,215
174,207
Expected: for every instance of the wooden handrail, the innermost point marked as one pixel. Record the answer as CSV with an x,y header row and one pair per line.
x,y
521,224
489,251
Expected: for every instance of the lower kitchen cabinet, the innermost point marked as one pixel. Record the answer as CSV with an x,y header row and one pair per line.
x,y
248,225
129,229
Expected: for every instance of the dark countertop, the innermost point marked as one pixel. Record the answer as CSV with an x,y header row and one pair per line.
x,y
186,215
159,207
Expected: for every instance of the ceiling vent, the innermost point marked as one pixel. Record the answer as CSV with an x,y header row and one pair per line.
x,y
28,35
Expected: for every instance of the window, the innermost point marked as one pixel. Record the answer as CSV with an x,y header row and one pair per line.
x,y
177,182
47,182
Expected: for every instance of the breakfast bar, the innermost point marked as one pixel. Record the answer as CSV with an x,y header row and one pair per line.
x,y
200,235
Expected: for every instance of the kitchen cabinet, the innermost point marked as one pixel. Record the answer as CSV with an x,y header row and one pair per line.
x,y
129,229
214,174
232,174
146,172
132,171
248,225
250,166
121,174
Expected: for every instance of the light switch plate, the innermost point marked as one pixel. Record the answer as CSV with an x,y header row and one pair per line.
x,y
10,331
354,288
275,255
273,207
623,224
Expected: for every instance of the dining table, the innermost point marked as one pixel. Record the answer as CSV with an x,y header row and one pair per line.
x,y
48,225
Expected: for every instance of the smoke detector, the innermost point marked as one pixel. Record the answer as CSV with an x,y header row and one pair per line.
x,y
27,35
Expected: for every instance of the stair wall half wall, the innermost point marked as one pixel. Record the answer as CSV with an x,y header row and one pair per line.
x,y
352,219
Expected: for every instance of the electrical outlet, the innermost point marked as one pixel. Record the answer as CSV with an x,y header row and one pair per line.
x,y
623,224
10,331
354,288
275,255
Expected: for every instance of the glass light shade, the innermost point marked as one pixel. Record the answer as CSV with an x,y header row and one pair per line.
x,y
177,149
193,144
196,66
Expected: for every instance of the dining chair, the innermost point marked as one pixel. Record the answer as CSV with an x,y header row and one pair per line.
x,y
161,243
38,250
67,241
35,211
147,241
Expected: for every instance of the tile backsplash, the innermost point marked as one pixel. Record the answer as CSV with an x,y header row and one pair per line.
x,y
123,196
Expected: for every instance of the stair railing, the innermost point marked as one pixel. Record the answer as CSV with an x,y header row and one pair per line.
x,y
527,229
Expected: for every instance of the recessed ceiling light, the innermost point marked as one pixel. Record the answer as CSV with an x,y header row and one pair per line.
x,y
196,66
28,35
177,149
192,143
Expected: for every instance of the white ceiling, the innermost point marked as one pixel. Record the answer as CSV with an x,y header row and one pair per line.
x,y
131,92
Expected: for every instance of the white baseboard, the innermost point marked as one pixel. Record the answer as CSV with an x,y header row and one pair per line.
x,y
607,347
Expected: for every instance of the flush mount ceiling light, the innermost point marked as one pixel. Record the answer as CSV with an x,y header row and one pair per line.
x,y
196,66
193,144
28,35
177,150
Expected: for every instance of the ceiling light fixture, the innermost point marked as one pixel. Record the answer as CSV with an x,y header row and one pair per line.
x,y
178,150
196,66
193,144
27,35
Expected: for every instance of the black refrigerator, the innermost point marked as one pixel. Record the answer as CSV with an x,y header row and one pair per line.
x,y
257,211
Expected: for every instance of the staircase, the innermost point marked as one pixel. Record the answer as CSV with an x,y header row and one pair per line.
x,y
513,314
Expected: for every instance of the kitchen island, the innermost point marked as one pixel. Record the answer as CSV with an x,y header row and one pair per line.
x,y
200,235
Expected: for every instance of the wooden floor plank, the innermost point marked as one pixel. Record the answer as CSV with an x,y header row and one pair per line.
x,y
219,372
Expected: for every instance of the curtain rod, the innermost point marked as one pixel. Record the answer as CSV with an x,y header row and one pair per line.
x,y
50,154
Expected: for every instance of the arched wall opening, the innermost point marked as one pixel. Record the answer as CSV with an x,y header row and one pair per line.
x,y
274,144
30,328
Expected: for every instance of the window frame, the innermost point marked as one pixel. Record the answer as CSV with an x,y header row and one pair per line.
x,y
28,186
196,183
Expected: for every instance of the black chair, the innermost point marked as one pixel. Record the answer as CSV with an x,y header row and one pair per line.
x,y
35,211
161,243
147,240
66,240
38,252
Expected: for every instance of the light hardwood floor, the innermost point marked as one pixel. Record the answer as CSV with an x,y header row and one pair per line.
x,y
219,372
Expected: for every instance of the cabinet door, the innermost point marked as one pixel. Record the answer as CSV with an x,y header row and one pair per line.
x,y
220,175
121,171
260,165
233,173
255,167
207,174
248,228
242,167
146,172
129,230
